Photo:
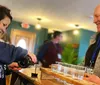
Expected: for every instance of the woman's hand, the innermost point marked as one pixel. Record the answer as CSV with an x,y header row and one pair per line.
x,y
14,66
93,78
33,57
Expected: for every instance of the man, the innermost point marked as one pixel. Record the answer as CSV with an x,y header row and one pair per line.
x,y
9,53
96,78
51,51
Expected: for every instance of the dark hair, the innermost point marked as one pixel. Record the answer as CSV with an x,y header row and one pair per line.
x,y
4,11
56,33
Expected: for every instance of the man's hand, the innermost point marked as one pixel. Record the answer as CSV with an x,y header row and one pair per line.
x,y
14,66
93,78
33,57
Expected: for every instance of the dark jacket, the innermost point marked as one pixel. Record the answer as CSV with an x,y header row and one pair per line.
x,y
9,54
93,49
48,53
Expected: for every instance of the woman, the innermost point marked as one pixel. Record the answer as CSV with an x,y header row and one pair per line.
x,y
9,53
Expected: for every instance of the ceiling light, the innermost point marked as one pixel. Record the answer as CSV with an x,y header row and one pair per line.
x,y
38,26
75,32
77,26
44,19
74,25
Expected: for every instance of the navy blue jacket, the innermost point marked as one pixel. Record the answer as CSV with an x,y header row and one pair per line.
x,y
9,54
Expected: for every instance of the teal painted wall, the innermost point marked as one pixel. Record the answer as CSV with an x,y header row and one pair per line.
x,y
84,42
83,39
71,38
41,35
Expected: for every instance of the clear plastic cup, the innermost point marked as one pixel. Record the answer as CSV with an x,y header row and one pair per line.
x,y
59,68
54,67
89,71
81,71
81,74
65,70
74,73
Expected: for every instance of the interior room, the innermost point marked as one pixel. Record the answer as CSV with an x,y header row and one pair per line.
x,y
49,42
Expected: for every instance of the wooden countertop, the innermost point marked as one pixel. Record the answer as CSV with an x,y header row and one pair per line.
x,y
26,73
67,78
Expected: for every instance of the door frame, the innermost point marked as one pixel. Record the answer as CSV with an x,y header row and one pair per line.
x,y
28,34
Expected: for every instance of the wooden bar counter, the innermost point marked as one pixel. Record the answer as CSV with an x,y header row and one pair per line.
x,y
67,78
26,74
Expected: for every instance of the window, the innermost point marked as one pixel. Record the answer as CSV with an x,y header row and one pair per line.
x,y
22,43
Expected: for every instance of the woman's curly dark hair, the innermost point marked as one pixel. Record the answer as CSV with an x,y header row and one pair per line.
x,y
4,11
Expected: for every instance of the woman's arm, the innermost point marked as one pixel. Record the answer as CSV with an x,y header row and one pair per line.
x,y
10,53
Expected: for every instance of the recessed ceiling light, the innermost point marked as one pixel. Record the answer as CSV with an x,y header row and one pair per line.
x,y
74,25
44,19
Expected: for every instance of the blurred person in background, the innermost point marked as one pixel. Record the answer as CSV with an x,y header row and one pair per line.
x,y
51,51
